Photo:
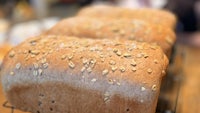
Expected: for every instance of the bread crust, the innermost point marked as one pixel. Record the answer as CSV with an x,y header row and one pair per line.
x,y
131,29
68,74
154,16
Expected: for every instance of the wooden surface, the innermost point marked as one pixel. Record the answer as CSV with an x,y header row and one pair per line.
x,y
189,96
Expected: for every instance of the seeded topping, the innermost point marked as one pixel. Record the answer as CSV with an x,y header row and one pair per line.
x,y
63,57
110,81
105,72
154,87
139,55
12,73
40,71
143,88
89,69
35,72
11,54
114,68
70,56
169,40
119,53
112,62
149,70
71,65
115,50
45,65
94,80
83,69
127,55
85,61
155,61
133,62
35,52
44,60
163,72
134,69
18,65
35,65
122,69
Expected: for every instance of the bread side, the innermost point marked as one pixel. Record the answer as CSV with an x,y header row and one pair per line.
x,y
121,28
67,74
155,16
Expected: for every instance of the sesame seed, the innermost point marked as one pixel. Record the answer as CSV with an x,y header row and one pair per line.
x,y
154,87
35,65
163,72
141,101
94,80
106,99
146,56
12,73
169,40
110,81
63,57
149,70
133,62
18,65
155,61
12,54
105,72
71,64
122,69
85,61
70,56
115,50
43,60
35,52
118,83
139,55
119,53
153,47
134,69
89,69
143,88
45,65
127,55
83,69
106,94
114,68
40,71
35,72
112,62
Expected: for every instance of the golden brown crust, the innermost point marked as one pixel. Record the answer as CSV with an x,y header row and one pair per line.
x,y
116,74
155,16
121,28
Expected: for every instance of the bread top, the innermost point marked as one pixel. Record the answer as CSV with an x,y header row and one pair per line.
x,y
155,16
125,67
121,28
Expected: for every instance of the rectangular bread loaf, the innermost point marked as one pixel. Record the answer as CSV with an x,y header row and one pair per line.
x,y
131,29
62,74
154,16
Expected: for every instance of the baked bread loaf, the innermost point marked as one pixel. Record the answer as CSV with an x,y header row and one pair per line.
x,y
155,16
64,74
121,28
4,48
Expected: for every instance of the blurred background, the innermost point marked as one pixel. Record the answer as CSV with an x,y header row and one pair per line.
x,y
21,19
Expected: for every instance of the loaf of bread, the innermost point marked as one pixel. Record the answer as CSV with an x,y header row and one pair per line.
x,y
121,28
63,74
4,48
155,16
